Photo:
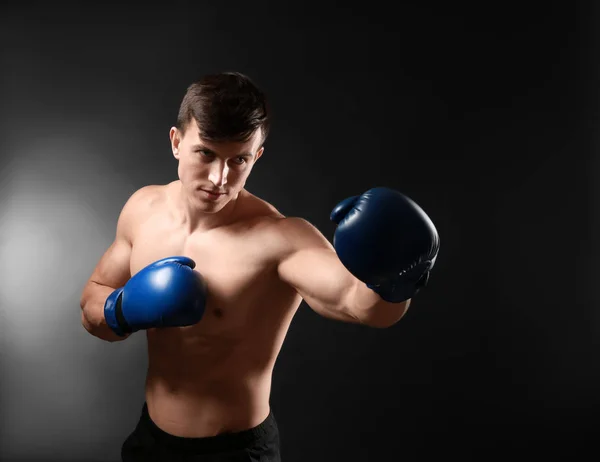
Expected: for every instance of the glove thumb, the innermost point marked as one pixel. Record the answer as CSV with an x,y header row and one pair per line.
x,y
342,208
184,261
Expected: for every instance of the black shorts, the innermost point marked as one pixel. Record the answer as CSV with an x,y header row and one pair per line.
x,y
148,443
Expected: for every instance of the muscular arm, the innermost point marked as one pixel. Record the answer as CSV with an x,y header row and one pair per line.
x,y
111,272
312,267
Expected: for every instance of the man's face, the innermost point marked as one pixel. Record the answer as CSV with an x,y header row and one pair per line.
x,y
213,173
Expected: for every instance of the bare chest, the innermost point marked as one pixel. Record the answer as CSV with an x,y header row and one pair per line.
x,y
237,266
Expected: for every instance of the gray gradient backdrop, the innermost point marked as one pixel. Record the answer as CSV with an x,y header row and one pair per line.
x,y
486,117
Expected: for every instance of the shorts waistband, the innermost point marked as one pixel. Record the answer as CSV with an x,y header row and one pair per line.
x,y
208,444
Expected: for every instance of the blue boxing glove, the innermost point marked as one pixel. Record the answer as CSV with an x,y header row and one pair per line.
x,y
166,293
387,241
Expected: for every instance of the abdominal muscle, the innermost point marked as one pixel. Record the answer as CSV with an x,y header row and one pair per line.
x,y
199,386
202,383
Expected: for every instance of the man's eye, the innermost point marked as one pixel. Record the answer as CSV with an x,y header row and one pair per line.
x,y
240,160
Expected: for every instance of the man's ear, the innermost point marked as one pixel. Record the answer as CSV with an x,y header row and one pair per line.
x,y
259,153
175,136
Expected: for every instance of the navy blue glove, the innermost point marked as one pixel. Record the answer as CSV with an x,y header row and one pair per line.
x,y
166,293
387,241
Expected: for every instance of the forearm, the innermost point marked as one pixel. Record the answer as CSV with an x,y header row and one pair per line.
x,y
92,312
333,292
370,309
350,300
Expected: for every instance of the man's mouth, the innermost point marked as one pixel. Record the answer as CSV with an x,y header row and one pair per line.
x,y
212,194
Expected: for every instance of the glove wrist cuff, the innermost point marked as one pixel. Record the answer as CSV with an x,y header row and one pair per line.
x,y
113,313
408,284
394,293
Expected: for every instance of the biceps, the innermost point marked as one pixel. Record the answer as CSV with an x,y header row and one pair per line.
x,y
113,269
319,277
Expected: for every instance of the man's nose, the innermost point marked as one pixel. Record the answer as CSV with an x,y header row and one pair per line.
x,y
218,173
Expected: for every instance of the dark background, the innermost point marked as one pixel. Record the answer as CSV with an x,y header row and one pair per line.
x,y
487,117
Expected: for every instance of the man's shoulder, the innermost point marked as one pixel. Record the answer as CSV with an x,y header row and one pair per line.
x,y
256,208
145,199
299,232
286,232
262,211
151,192
260,214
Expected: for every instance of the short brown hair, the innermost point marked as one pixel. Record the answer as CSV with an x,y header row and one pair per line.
x,y
227,107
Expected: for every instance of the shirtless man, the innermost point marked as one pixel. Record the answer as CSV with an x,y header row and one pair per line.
x,y
214,275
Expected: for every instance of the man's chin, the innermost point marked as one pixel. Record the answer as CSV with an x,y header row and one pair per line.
x,y
208,207
211,206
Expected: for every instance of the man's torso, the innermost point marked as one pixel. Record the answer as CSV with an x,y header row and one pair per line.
x,y
215,376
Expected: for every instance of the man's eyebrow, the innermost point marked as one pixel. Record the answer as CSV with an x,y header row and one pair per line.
x,y
201,147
